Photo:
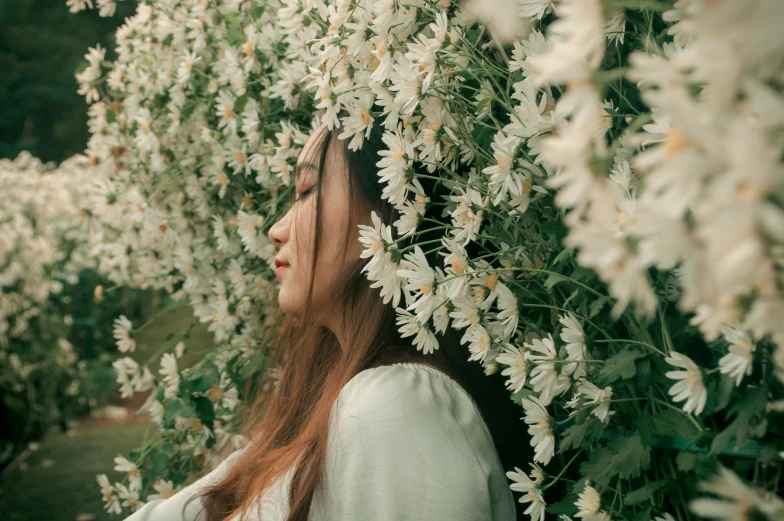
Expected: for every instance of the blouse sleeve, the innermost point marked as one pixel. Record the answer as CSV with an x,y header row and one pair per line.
x,y
170,509
406,442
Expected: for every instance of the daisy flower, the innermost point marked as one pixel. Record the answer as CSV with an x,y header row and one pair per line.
x,y
738,501
420,281
479,342
225,111
691,386
574,337
542,438
424,340
164,489
123,465
738,362
588,504
545,376
599,397
393,166
171,375
122,333
531,493
112,505
517,366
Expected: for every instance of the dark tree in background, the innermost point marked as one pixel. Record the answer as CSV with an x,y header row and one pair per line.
x,y
41,47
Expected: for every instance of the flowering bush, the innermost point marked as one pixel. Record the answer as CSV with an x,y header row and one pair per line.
x,y
51,365
613,241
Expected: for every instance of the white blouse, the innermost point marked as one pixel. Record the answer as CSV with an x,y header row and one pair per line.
x,y
406,442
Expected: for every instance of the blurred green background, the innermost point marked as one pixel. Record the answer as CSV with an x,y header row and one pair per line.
x,y
42,45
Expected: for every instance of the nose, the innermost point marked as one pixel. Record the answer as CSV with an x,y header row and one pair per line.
x,y
279,232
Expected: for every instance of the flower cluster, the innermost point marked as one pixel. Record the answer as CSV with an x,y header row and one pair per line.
x,y
612,240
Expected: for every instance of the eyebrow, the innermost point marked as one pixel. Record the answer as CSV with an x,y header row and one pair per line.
x,y
305,165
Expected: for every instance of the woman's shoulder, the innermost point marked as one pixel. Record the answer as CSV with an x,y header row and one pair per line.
x,y
423,400
411,441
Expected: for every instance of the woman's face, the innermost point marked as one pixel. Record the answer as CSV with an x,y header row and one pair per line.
x,y
294,233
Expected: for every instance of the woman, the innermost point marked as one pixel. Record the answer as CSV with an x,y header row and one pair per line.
x,y
385,432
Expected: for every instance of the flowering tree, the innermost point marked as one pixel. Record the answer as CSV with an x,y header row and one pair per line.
x,y
612,246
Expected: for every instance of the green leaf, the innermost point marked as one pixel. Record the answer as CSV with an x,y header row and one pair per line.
x,y
596,306
724,392
564,255
643,515
172,409
673,423
751,403
556,228
204,380
625,457
519,395
554,279
686,461
581,435
565,506
630,456
234,33
111,117
619,366
203,407
240,102
645,426
159,462
643,493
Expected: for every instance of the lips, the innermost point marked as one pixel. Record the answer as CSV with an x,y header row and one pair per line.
x,y
279,263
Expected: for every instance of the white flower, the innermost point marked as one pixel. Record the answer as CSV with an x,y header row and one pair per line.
x,y
224,109
691,386
186,66
359,123
393,166
542,438
531,493
171,375
545,375
408,325
164,489
600,397
517,366
479,342
509,313
588,505
130,497
123,465
502,17
108,494
737,499
420,280
588,502
738,362
504,180
574,337
535,8
122,333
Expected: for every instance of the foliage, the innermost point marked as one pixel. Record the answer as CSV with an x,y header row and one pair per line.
x,y
41,47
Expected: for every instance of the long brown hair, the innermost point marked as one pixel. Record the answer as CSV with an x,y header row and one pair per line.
x,y
291,421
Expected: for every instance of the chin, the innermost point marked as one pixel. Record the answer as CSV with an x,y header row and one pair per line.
x,y
288,304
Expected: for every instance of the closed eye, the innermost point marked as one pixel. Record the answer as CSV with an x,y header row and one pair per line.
x,y
304,193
